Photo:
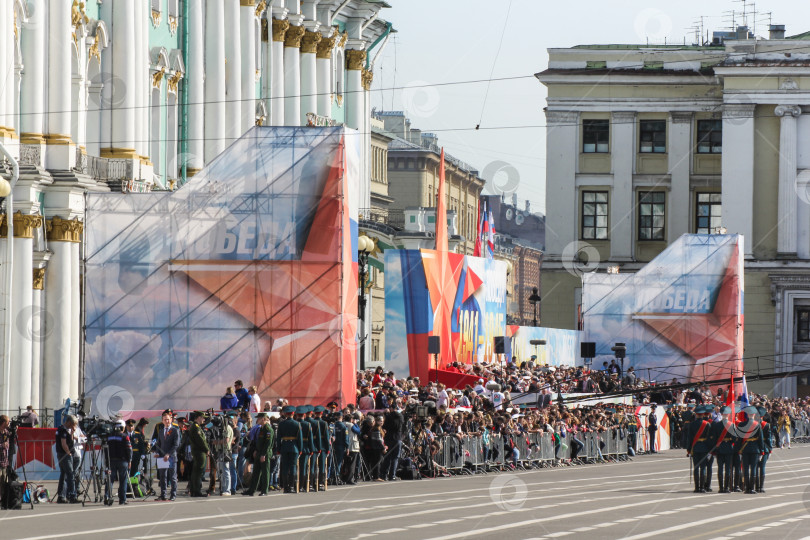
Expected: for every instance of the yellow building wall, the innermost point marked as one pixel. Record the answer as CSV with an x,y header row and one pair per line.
x,y
766,182
558,309
758,336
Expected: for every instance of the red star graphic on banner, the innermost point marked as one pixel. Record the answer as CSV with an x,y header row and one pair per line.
x,y
710,339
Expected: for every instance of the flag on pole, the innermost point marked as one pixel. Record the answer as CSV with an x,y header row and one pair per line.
x,y
478,222
490,234
744,394
730,397
441,211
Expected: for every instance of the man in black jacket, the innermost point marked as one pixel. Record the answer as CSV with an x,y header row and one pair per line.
x,y
120,449
393,425
164,446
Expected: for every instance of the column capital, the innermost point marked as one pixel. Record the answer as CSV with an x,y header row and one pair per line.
x,y
64,230
260,7
310,42
355,59
681,117
325,47
24,225
280,27
738,110
561,117
294,36
367,76
344,37
39,278
787,111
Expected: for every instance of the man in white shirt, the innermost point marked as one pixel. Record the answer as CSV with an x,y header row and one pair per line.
x,y
497,399
479,388
441,401
255,400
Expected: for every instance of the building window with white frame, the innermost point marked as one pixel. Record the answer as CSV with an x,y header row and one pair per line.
x,y
594,215
651,215
708,213
652,137
803,325
709,136
595,136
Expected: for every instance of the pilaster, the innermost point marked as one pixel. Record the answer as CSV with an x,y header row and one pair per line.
x,y
787,238
738,171
622,203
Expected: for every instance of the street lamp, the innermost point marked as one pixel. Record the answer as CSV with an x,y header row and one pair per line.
x,y
534,299
365,246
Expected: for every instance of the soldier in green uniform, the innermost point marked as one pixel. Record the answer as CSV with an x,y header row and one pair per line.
x,y
316,447
265,438
724,446
290,445
199,453
767,437
752,448
306,450
698,447
632,433
326,447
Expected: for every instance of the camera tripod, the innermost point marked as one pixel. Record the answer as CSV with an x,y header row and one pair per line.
x,y
99,478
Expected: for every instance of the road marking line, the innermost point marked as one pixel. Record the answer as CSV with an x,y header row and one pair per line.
x,y
420,525
446,521
625,520
584,529
558,534
756,529
193,531
264,521
386,531
775,524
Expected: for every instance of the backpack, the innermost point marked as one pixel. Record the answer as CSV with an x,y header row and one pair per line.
x,y
13,496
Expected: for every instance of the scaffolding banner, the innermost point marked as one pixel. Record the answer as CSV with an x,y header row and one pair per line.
x,y
681,316
561,347
249,272
460,299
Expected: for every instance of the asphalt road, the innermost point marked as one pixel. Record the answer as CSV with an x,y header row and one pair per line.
x,y
650,497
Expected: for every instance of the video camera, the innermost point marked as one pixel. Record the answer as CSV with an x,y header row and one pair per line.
x,y
93,426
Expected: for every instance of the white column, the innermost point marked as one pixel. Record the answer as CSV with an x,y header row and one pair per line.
x,y
277,84
20,316
142,86
116,90
6,68
32,93
738,171
214,79
787,239
60,154
56,366
355,99
13,77
195,83
247,18
37,331
309,85
561,195
324,69
292,76
803,216
233,72
75,318
96,137
622,203
366,79
680,155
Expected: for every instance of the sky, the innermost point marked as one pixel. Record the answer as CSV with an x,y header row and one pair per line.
x,y
436,67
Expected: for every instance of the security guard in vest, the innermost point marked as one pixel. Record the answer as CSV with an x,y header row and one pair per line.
x,y
265,438
326,447
767,437
724,447
752,448
698,446
290,445
306,451
316,447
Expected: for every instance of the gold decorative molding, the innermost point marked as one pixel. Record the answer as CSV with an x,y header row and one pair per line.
x,y
344,37
64,230
78,14
339,100
191,171
157,76
32,138
119,153
174,81
7,132
325,47
294,36
94,51
172,24
260,7
39,278
156,17
367,77
355,59
258,75
265,35
310,41
24,225
280,28
247,3
57,139
16,30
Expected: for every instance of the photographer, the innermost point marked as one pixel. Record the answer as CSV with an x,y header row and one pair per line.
x,y
120,449
222,451
5,465
64,455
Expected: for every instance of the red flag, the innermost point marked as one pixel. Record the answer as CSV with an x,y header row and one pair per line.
x,y
477,250
730,398
441,211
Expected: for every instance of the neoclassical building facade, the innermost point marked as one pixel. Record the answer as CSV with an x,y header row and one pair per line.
x,y
135,96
